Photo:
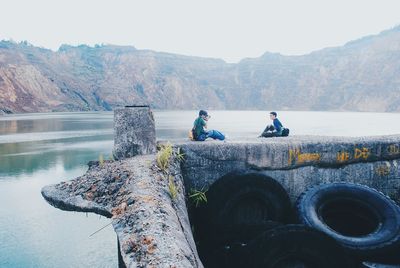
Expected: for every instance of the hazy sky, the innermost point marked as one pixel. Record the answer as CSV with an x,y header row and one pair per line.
x,y
226,29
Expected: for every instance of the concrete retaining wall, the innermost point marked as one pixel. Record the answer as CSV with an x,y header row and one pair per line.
x,y
298,162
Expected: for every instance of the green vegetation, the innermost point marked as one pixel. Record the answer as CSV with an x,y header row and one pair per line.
x,y
173,191
163,156
163,160
179,155
198,197
101,160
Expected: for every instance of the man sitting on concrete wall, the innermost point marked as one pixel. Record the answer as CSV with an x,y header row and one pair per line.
x,y
200,132
276,129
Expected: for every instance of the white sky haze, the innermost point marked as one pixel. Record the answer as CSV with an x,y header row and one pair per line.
x,y
226,29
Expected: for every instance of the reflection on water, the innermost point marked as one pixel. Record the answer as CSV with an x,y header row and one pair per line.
x,y
41,149
26,158
31,123
34,234
55,135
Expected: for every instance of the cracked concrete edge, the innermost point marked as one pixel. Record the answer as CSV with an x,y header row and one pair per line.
x,y
176,246
294,152
63,201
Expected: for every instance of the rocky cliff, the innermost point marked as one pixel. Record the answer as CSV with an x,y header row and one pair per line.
x,y
363,75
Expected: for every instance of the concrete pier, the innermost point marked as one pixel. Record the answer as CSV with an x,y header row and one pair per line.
x,y
148,203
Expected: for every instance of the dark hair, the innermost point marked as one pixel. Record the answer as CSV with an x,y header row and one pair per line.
x,y
203,112
274,114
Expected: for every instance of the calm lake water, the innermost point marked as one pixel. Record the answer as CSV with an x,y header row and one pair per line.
x,y
41,149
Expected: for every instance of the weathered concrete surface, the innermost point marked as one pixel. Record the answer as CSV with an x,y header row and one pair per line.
x,y
153,229
134,132
298,161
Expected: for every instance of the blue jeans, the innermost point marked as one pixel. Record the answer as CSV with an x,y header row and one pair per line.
x,y
214,134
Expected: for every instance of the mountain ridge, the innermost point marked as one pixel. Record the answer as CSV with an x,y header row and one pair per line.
x,y
362,75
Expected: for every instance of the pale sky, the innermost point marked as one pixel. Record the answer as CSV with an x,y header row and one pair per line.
x,y
226,29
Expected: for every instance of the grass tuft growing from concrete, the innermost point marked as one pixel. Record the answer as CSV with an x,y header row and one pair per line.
x,y
163,156
101,160
179,155
198,197
173,191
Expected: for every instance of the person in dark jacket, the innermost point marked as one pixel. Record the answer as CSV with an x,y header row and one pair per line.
x,y
274,130
200,132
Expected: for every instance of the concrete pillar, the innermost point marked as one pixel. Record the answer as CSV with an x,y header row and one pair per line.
x,y
134,131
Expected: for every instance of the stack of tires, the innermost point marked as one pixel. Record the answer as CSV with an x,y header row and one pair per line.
x,y
248,221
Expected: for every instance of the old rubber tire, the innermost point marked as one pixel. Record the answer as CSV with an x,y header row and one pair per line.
x,y
377,265
296,246
236,200
241,233
227,244
246,198
361,219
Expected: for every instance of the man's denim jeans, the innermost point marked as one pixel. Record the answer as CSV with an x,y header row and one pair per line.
x,y
214,134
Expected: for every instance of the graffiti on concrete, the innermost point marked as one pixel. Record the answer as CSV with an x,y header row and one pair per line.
x,y
361,153
394,149
296,156
342,156
382,170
